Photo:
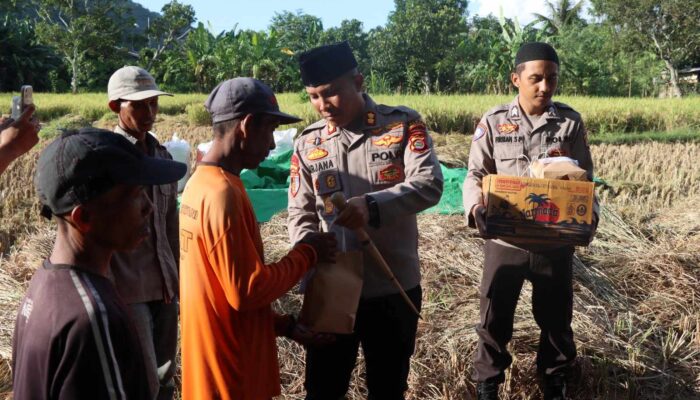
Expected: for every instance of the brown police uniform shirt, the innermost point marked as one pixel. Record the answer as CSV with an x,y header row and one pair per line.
x,y
150,272
389,156
74,340
506,140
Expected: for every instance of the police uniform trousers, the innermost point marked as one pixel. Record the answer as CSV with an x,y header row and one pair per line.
x,y
386,328
505,270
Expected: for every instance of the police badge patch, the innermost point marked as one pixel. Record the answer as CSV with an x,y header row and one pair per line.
x,y
479,132
418,143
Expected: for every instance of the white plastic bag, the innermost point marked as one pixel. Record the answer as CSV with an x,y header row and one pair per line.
x,y
284,141
180,150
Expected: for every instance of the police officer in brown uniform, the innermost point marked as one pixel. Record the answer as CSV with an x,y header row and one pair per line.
x,y
508,137
381,158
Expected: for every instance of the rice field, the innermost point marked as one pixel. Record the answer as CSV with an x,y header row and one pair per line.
x,y
442,113
637,287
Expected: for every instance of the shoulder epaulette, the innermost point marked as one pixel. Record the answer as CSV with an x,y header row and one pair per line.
x,y
313,127
498,109
562,106
387,110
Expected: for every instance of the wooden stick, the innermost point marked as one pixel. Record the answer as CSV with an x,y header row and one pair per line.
x,y
338,200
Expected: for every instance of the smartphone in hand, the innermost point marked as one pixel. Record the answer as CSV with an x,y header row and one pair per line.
x,y
19,103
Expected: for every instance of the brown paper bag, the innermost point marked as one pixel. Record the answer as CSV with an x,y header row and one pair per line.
x,y
565,170
332,295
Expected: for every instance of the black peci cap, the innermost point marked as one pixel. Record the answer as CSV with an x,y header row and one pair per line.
x,y
536,51
323,64
81,165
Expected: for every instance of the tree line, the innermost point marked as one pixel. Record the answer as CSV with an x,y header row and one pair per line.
x,y
627,48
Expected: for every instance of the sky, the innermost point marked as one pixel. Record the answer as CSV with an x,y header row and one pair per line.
x,y
257,14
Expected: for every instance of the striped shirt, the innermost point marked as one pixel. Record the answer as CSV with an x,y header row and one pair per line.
x,y
74,340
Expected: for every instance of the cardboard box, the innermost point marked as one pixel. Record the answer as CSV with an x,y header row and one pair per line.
x,y
538,210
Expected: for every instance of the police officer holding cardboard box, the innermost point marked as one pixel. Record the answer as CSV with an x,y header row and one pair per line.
x,y
508,137
381,158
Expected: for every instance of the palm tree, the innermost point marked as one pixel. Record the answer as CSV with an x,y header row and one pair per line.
x,y
563,13
537,200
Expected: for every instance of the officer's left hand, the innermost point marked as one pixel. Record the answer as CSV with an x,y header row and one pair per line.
x,y
355,215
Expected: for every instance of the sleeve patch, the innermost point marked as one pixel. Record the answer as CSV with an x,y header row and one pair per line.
x,y
294,181
479,132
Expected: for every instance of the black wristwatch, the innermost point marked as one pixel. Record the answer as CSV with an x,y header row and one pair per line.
x,y
373,209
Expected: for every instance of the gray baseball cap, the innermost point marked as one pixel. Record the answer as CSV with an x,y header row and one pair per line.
x,y
237,97
132,83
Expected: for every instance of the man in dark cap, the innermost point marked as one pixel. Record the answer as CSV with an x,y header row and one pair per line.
x,y
74,338
381,158
228,326
505,141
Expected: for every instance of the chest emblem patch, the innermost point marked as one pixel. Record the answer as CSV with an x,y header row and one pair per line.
x,y
387,140
507,128
391,173
315,141
317,154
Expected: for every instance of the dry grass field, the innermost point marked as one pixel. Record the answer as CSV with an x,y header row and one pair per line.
x,y
637,287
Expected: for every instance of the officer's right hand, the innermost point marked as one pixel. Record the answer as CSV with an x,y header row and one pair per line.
x,y
324,244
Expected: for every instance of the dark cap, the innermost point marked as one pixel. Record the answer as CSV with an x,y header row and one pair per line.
x,y
323,64
237,97
536,51
81,165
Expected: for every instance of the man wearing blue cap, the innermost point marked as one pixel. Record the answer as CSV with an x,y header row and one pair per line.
x,y
74,338
506,139
381,158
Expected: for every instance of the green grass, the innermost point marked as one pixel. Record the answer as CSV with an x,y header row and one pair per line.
x,y
675,136
442,113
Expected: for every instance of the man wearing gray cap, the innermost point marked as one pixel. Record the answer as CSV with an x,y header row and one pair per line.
x,y
228,326
381,158
147,277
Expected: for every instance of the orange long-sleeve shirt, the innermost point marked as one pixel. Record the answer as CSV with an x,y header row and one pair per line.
x,y
228,335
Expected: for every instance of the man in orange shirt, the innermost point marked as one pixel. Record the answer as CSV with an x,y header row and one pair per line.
x,y
228,326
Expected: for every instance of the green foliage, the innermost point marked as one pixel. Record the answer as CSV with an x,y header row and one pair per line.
x,y
164,32
680,135
668,28
84,34
426,46
22,59
198,115
563,14
65,122
415,51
